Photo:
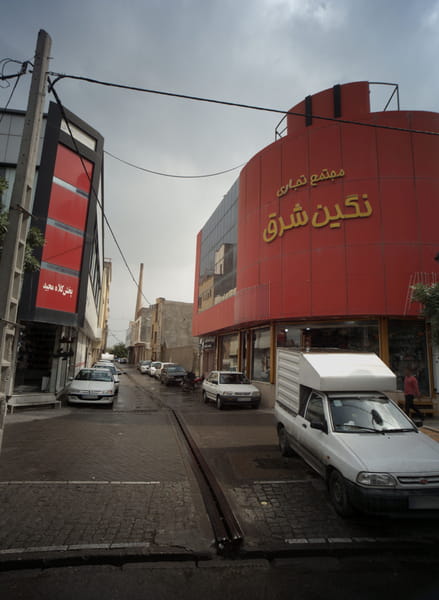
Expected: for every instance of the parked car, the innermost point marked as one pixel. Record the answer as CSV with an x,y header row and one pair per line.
x,y
159,368
91,386
114,370
152,367
143,365
107,363
123,360
112,373
172,374
230,387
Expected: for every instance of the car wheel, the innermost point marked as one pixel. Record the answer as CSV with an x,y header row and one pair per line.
x,y
255,405
339,495
205,398
284,446
219,403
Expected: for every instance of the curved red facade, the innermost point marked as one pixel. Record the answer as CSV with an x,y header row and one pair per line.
x,y
335,219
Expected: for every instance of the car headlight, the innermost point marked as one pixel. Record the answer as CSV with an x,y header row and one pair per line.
x,y
376,479
256,394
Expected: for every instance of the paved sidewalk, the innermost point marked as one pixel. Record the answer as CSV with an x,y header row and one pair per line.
x,y
74,482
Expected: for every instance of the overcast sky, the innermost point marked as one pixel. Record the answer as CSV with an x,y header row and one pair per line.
x,y
269,53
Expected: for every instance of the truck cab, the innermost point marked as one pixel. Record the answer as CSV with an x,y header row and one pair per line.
x,y
372,456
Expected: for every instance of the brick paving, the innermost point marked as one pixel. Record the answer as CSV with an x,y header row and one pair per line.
x,y
93,479
280,502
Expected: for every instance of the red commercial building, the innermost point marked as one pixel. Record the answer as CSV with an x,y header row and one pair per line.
x,y
318,242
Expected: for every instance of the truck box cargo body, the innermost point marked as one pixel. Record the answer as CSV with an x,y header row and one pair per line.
x,y
330,372
332,409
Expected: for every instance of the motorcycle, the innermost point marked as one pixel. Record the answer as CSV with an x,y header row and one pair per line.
x,y
191,382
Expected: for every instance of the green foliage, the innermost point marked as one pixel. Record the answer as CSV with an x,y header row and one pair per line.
x,y
34,239
428,296
3,184
119,351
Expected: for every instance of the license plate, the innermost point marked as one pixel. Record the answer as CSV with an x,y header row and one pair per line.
x,y
424,502
92,397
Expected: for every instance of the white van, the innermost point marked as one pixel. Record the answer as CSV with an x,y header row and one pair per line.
x,y
332,410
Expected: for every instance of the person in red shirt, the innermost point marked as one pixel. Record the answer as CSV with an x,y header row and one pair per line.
x,y
411,391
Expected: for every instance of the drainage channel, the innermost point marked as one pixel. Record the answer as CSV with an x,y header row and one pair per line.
x,y
227,531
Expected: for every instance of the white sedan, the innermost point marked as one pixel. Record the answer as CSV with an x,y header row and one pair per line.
x,y
230,387
91,386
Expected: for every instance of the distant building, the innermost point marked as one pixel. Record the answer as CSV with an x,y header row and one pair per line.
x,y
138,340
163,331
171,333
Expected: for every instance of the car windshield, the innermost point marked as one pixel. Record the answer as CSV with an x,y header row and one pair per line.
x,y
108,369
366,413
112,368
174,370
233,378
94,375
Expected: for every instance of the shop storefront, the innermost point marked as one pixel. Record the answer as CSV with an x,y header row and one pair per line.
x,y
318,242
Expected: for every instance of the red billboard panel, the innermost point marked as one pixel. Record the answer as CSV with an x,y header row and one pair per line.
x,y
57,291
64,242
62,248
67,206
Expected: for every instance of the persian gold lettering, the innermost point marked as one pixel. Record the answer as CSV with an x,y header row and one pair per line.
x,y
317,220
324,175
354,208
271,231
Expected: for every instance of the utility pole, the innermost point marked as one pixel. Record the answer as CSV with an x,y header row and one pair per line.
x,y
12,259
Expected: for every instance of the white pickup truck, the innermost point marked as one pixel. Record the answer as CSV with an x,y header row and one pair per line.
x,y
332,409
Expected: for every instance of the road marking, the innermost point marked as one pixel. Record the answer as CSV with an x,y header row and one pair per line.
x,y
269,481
88,482
73,547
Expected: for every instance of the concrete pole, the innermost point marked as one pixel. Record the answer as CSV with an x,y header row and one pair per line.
x,y
139,293
12,259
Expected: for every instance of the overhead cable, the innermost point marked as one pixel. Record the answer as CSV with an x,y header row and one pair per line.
x,y
63,113
60,76
171,174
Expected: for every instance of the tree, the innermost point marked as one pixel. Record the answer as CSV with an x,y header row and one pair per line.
x,y
119,350
34,239
428,296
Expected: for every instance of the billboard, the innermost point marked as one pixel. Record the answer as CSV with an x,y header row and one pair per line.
x,y
65,211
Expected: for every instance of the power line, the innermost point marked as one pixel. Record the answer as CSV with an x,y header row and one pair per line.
x,y
63,113
169,174
60,76
14,87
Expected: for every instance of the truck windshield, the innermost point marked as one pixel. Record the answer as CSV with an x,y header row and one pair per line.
x,y
366,413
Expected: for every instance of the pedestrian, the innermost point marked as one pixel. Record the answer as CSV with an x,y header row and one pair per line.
x,y
411,391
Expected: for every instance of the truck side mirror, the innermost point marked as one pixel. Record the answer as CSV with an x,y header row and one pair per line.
x,y
320,425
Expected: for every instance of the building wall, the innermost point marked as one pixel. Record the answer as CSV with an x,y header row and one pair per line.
x,y
337,208
335,221
68,210
171,333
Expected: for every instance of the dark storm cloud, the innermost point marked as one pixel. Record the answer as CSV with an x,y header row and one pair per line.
x,y
264,52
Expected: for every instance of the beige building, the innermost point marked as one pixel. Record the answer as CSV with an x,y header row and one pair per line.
x,y
171,334
163,331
